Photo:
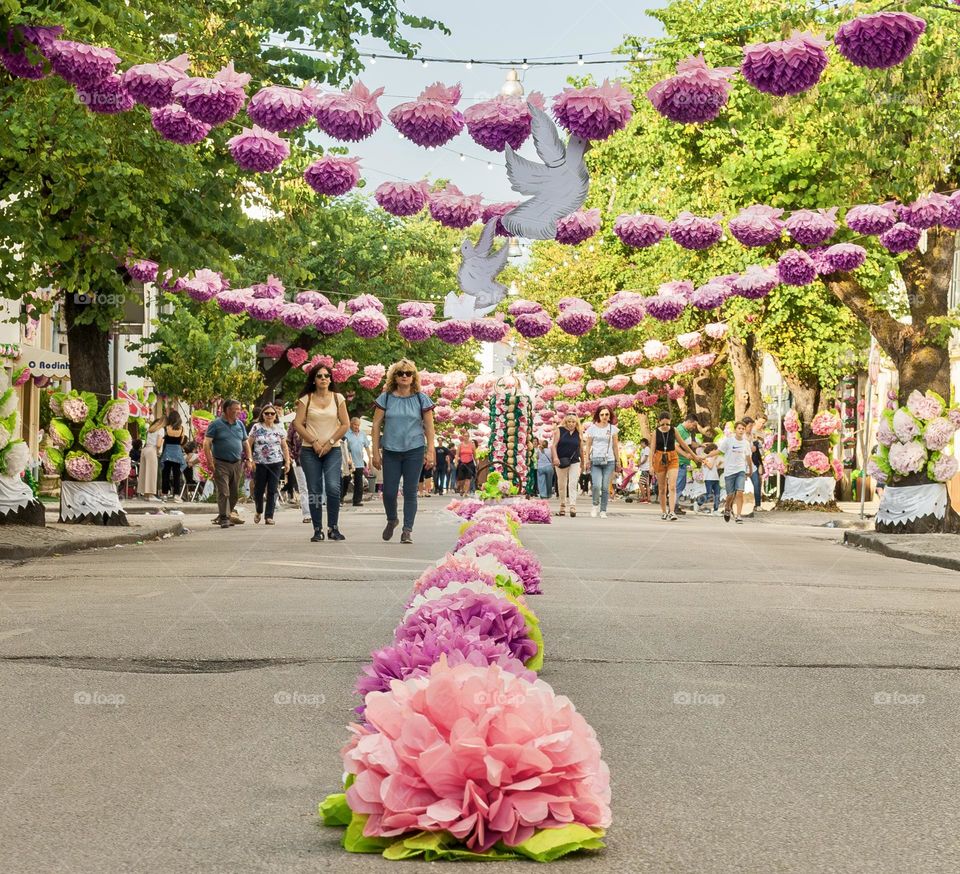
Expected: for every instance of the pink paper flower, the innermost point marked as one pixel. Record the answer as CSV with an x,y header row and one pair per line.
x,y
297,356
881,40
454,209
618,382
333,175
716,330
15,53
695,232
364,301
454,331
943,469
278,108
532,325
416,309
790,66
152,84
432,119
656,350
604,364
812,227
81,64
571,372
490,330
372,376
757,225
871,218
344,369
756,282
402,198
416,329
907,458
844,257
177,125
689,340
817,462
925,406
640,231
142,270
926,212
213,101
796,267
665,306
695,95
594,112
368,323
259,150
578,226
351,115
624,310
501,120
499,210
711,295
331,319
900,238
107,97
522,307
938,434
826,423
312,298
577,320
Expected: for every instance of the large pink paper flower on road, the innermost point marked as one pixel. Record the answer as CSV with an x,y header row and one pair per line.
x,y
333,175
640,230
259,150
351,115
881,40
175,124
432,119
81,64
594,112
278,108
900,238
695,95
454,209
402,198
757,225
790,66
578,226
15,54
871,218
152,84
215,100
494,123
695,232
107,97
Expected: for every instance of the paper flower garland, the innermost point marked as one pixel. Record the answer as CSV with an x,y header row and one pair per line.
x,y
871,218
881,40
594,112
791,66
843,257
152,84
432,119
416,329
15,54
402,198
900,238
576,317
278,108
756,282
665,305
812,227
926,212
81,64
695,232
368,323
213,101
454,331
640,231
333,175
711,295
533,325
695,95
494,123
578,226
351,115
499,210
259,150
796,267
454,209
141,270
624,310
757,225
107,97
177,125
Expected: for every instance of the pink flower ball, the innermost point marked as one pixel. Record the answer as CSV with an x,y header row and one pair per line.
x,y
432,119
351,115
81,64
152,84
333,175
402,198
258,150
213,101
368,323
177,125
594,112
278,108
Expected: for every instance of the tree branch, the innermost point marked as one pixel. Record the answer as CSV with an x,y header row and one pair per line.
x,y
888,332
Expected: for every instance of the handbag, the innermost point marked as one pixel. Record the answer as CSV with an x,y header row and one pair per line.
x,y
565,462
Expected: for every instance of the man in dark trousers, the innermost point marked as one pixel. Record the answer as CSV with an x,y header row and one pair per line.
x,y
224,447
442,471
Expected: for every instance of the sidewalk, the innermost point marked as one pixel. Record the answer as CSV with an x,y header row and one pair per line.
x,y
941,550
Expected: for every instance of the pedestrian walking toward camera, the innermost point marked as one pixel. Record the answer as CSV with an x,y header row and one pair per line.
x,y
668,446
644,459
603,450
545,472
224,445
294,445
686,430
442,468
737,466
172,459
754,434
321,420
403,443
267,446
568,456
357,447
466,458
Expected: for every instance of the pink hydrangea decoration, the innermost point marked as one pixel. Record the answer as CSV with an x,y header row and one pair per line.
x,y
900,238
107,97
490,330
432,119
416,328
938,434
624,310
344,369
364,301
594,112
178,126
905,425
15,51
817,462
372,376
871,218
152,84
81,64
695,95
578,226
756,282
655,350
273,287
605,364
639,230
278,108
826,423
571,371
298,317
951,214
843,258
665,306
533,325
213,101
812,227
662,373
711,295
501,120
142,270
546,374
925,406
690,340
454,331
402,198
791,66
618,382
234,301
258,150
757,225
369,323
273,350
796,267
351,115
416,309
572,389
943,469
716,330
907,458
454,209
297,356
791,422
596,386
885,432
333,175
499,210
695,232
576,317
926,212
881,40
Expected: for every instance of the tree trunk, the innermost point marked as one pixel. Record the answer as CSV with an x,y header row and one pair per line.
x,y
89,349
275,374
707,393
745,360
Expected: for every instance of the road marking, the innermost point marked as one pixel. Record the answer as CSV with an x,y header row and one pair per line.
x,y
4,635
338,567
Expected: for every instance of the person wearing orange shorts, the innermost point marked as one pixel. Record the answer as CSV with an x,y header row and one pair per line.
x,y
668,446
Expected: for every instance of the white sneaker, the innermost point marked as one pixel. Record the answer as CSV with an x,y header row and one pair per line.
x,y
594,511
177,499
603,515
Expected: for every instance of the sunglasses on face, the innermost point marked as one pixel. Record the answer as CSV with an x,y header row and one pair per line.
x,y
269,413
404,373
323,376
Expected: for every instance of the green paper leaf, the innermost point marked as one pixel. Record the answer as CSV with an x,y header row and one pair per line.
x,y
551,843
334,810
354,840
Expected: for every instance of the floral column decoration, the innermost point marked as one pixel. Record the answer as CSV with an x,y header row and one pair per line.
x,y
511,415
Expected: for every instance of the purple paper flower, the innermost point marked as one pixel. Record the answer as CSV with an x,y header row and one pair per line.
x,y
213,101
926,212
843,257
432,119
499,210
97,440
333,175
234,301
368,323
454,331
351,115
490,330
640,230
312,298
107,97
142,270
265,309
119,468
175,124
811,227
258,150
80,64
881,40
416,309
900,238
756,282
577,319
15,51
415,329
522,307
695,95
951,213
522,562
796,267
295,316
278,108
871,218
402,198
331,319
532,325
594,112
757,225
494,123
624,310
79,466
454,209
273,287
363,302
152,84
695,232
578,226
203,285
711,295
791,66
665,307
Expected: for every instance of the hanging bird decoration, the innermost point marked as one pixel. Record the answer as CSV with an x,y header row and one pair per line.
x,y
477,276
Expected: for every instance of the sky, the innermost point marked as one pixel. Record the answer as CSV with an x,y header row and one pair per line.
x,y
496,29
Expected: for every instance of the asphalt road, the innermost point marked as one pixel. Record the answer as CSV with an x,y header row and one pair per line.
x,y
768,700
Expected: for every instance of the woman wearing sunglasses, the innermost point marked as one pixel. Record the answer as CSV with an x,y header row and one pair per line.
x,y
668,446
267,446
403,443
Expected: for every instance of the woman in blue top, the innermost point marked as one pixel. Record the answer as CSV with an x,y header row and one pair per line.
x,y
403,443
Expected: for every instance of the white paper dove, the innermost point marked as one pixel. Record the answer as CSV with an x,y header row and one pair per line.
x,y
480,266
464,307
556,188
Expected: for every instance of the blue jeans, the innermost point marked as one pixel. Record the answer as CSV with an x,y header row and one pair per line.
x,y
713,488
545,481
755,479
682,479
407,465
323,477
600,473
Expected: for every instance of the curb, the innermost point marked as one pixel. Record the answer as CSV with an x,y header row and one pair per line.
x,y
111,537
873,542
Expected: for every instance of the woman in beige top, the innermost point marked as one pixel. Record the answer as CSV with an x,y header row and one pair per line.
x,y
321,420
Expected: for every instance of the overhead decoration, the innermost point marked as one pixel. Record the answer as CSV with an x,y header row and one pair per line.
x,y
578,226
695,232
695,95
624,310
900,238
278,108
498,210
576,316
402,198
333,175
871,218
178,126
881,40
152,84
259,150
490,330
24,48
796,267
844,258
81,64
350,115
501,120
669,301
812,227
454,209
432,119
107,97
639,230
756,282
712,294
791,66
757,225
213,101
479,266
594,112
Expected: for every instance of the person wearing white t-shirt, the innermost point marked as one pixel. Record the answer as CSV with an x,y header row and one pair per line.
x,y
737,466
603,450
710,462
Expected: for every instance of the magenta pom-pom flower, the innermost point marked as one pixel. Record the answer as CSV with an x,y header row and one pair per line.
x,y
533,325
710,295
951,213
811,227
665,306
881,40
454,209
333,174
81,64
624,310
490,330
790,66
295,316
350,115
498,210
695,232
279,108
640,230
364,301
594,112
926,212
372,376
258,150
107,97
900,238
369,323
234,301
416,329
433,118
331,319
265,309
297,356
494,123
454,331
576,319
871,218
843,257
402,198
142,270
522,307
578,226
273,287
215,100
416,309
204,284
312,298
519,560
15,50
695,95
177,125
152,84
344,369
757,225
756,282
796,267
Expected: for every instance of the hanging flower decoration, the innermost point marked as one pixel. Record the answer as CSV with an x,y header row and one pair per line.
x,y
791,66
711,295
258,150
900,238
826,423
454,209
639,230
881,40
757,225
695,95
142,270
364,301
533,325
416,309
350,115
107,97
213,101
499,210
756,282
605,364
665,305
343,370
618,382
368,323
402,198
695,232
203,285
546,375
716,330
494,123
490,330
594,112
333,175
331,319
312,298
521,307
15,55
81,467
152,84
278,108
796,267
432,119
656,350
576,317
811,227
596,386
690,340
273,287
297,356
925,212
81,64
951,214
624,310
871,218
298,317
416,329
572,372
843,258
454,331
372,376
578,226
178,126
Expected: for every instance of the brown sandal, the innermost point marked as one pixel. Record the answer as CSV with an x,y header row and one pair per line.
x,y
562,512
573,512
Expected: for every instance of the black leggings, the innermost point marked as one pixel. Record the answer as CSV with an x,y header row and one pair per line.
x,y
171,468
266,477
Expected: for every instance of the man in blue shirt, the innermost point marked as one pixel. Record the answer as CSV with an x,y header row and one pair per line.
x,y
225,445
357,443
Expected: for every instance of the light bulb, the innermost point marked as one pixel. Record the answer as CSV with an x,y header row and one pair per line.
x,y
463,157
424,63
468,64
489,166
373,59
580,60
526,66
